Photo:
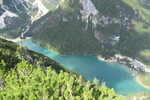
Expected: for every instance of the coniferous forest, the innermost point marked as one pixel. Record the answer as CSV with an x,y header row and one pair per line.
x,y
26,75
87,36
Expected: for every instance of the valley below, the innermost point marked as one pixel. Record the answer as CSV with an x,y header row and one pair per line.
x,y
108,40
115,75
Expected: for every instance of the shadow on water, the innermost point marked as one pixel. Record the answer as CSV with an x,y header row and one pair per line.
x,y
114,75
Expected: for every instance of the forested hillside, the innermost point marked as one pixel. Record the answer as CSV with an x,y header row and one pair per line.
x,y
96,27
28,75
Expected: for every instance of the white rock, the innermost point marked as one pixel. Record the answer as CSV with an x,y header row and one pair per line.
x,y
1,2
6,14
42,9
88,9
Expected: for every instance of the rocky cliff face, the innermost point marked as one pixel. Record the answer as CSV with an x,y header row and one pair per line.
x,y
11,8
15,15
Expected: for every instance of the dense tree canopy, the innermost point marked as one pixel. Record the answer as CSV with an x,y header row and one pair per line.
x,y
22,79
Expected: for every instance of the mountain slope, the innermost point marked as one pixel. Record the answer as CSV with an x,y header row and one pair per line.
x,y
17,15
13,17
28,75
93,27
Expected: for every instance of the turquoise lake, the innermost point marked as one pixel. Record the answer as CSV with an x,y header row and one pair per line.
x,y
114,75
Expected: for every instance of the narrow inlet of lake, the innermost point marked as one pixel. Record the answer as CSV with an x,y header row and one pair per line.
x,y
114,75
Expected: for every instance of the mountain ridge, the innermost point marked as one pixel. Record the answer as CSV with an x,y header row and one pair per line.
x,y
70,27
110,29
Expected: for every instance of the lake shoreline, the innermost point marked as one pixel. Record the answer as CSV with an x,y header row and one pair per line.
x,y
138,81
129,62
102,59
134,75
16,39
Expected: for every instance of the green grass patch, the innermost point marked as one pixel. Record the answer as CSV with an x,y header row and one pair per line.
x,y
144,79
140,26
65,5
51,4
146,53
135,4
145,57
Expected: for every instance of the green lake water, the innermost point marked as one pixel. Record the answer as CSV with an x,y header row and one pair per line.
x,y
114,75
